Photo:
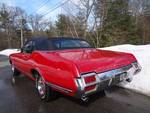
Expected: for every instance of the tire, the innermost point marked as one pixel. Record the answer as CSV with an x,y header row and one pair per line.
x,y
44,91
15,73
103,93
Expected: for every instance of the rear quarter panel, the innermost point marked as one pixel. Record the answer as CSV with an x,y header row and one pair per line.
x,y
56,70
15,59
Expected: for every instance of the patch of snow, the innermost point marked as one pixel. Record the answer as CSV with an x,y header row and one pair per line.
x,y
141,81
7,52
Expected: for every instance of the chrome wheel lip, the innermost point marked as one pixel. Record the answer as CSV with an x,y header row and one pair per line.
x,y
12,68
41,87
13,80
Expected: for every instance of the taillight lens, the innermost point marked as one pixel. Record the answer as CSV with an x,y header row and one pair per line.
x,y
89,79
88,82
89,88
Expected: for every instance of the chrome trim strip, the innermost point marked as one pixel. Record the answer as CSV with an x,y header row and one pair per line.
x,y
80,83
92,83
137,67
126,72
88,74
108,74
84,85
59,88
112,73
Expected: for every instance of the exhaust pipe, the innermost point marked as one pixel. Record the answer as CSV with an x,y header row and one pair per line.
x,y
85,99
129,80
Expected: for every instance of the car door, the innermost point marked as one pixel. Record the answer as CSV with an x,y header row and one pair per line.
x,y
26,57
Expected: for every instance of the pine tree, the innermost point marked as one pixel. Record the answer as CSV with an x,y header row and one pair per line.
x,y
61,25
117,24
120,25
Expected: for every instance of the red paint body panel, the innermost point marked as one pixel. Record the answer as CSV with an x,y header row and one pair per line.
x,y
89,60
61,67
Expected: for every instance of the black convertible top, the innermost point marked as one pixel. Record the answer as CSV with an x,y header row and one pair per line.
x,y
54,38
57,43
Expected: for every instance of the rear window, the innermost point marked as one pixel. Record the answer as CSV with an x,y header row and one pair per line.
x,y
65,44
57,44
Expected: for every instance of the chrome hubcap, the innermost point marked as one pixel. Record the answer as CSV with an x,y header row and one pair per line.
x,y
41,87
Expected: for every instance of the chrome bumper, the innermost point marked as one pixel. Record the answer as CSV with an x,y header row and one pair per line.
x,y
108,78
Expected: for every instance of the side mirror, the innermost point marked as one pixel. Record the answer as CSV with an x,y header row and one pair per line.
x,y
29,49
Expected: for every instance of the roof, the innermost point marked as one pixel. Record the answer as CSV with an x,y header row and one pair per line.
x,y
55,38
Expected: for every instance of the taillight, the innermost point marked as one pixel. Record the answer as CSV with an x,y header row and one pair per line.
x,y
89,79
90,82
89,88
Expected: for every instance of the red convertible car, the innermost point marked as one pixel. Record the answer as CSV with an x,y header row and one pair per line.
x,y
71,66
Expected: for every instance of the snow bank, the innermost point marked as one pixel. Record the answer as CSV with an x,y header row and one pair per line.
x,y
7,52
141,81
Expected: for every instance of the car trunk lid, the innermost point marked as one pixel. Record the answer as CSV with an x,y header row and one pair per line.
x,y
96,60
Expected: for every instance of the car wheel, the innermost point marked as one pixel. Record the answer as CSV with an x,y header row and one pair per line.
x,y
15,73
103,93
44,91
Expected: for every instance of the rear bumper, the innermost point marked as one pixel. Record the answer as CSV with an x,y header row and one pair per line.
x,y
108,79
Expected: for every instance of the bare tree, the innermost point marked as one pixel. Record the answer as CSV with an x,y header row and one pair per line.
x,y
87,6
